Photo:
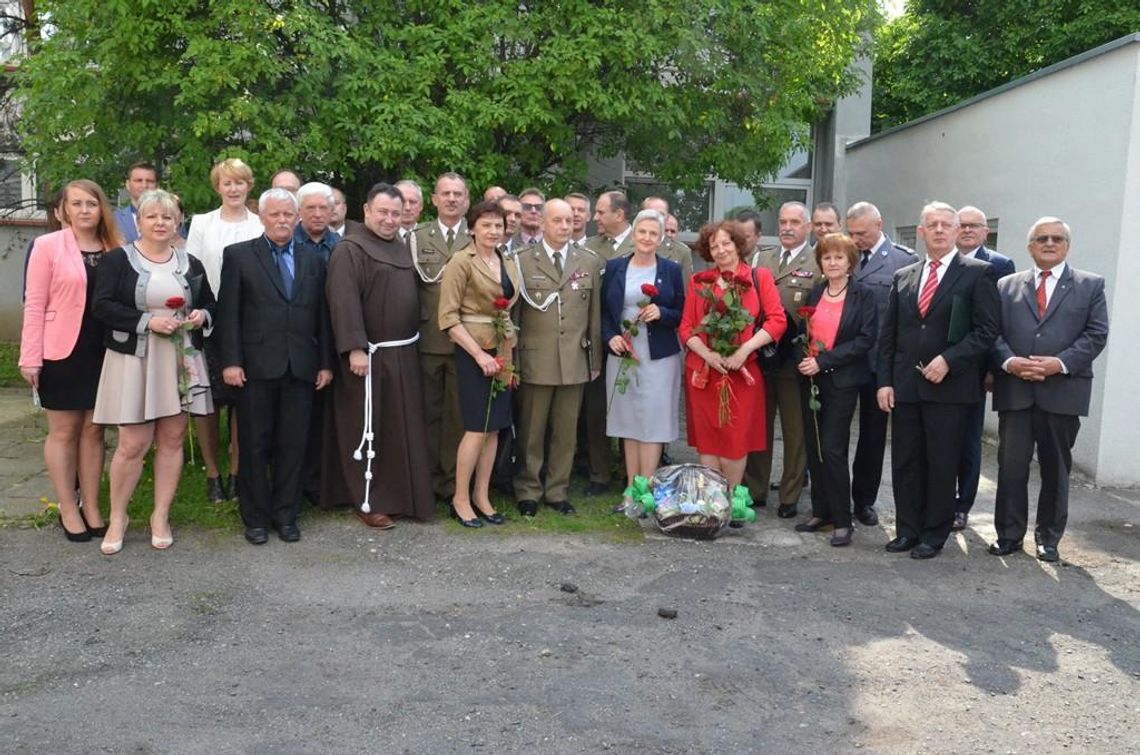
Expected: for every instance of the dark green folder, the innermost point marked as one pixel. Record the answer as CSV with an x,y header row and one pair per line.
x,y
961,318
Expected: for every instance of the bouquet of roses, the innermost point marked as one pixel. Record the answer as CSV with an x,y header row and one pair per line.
x,y
724,323
187,370
631,328
812,348
506,377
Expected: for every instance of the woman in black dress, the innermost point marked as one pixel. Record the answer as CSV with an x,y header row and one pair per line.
x,y
476,296
61,350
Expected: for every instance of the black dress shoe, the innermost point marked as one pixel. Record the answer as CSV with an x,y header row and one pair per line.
x,y
901,544
562,507
815,524
288,532
257,535
597,488
961,518
214,491
528,508
93,531
83,536
866,516
1048,553
474,522
495,518
786,510
842,537
1004,547
923,551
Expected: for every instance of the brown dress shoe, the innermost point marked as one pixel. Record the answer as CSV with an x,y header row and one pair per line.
x,y
376,520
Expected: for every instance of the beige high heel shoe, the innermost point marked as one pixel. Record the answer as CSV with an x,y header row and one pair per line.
x,y
110,547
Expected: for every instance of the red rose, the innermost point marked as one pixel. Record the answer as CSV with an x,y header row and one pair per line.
x,y
175,302
706,276
727,275
649,290
501,303
743,282
720,307
805,313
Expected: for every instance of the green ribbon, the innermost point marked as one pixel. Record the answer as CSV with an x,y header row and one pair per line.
x,y
639,493
742,505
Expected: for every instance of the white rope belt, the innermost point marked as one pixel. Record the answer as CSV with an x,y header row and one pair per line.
x,y
554,297
366,435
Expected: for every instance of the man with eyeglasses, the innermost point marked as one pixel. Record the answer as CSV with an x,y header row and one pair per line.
x,y
941,319
973,230
434,243
530,225
879,260
1054,324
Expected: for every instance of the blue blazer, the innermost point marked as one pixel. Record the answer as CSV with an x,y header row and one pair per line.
x,y
1002,265
670,299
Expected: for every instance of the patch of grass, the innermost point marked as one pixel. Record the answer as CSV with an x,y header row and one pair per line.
x,y
9,365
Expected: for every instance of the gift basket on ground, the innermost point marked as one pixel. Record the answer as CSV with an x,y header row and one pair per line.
x,y
688,500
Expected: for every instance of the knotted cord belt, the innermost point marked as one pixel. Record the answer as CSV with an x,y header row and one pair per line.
x,y
366,435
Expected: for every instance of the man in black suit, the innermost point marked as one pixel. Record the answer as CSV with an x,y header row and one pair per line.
x,y
879,260
973,230
941,320
1054,324
276,347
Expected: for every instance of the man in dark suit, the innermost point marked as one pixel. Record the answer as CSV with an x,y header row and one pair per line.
x,y
973,230
941,320
1054,324
276,348
879,260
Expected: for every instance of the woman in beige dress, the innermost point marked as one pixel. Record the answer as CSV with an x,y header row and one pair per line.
x,y
156,302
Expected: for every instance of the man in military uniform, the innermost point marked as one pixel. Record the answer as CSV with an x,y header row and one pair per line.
x,y
559,352
580,206
433,244
793,266
879,258
615,237
530,224
413,207
825,220
671,248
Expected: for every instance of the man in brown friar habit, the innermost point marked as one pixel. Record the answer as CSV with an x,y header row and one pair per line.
x,y
375,446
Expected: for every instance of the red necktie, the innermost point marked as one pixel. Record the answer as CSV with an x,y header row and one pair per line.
x,y
1042,303
928,288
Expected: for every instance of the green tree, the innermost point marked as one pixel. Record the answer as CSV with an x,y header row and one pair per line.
x,y
502,91
940,52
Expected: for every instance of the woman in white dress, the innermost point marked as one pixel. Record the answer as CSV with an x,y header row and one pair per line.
x,y
643,292
155,302
210,233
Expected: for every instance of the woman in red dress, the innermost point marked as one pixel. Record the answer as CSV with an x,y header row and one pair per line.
x,y
725,438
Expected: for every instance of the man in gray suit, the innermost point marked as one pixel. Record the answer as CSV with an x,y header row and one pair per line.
x,y
879,258
1054,323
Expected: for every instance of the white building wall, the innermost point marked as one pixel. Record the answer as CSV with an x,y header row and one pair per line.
x,y
1062,143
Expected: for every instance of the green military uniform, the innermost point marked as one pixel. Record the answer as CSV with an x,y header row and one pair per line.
x,y
558,348
431,252
793,280
603,246
679,252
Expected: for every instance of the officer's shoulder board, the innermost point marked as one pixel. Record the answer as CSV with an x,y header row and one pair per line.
x,y
903,249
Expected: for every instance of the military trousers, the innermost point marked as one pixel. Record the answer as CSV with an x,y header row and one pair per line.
x,y
547,430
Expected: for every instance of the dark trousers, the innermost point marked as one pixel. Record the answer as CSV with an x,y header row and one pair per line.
x,y
273,421
924,467
970,463
867,470
830,478
311,481
592,430
1053,436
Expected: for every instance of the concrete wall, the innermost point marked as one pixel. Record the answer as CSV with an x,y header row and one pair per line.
x,y
14,240
1064,142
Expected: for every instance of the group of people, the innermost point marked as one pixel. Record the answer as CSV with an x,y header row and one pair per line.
x,y
389,364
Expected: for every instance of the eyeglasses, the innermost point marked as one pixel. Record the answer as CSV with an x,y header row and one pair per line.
x,y
1047,239
533,206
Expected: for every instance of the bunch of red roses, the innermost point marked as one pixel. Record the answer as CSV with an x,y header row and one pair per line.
x,y
724,325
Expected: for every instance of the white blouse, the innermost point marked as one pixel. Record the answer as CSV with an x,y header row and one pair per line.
x,y
210,235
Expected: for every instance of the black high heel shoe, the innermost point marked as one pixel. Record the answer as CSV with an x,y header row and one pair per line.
x,y
92,531
495,518
814,524
476,522
75,537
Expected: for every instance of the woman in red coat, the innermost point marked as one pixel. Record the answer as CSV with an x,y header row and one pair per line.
x,y
724,388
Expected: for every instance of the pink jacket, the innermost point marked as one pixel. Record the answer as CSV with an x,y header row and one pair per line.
x,y
55,297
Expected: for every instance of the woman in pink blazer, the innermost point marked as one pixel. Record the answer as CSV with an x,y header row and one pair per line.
x,y
61,350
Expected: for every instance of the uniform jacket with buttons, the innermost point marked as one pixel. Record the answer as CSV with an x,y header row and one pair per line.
x,y
432,254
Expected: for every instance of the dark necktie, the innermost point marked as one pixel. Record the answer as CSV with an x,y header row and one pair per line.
x,y
450,239
558,263
784,256
866,253
928,288
284,264
1042,301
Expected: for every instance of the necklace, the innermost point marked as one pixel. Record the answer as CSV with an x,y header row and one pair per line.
x,y
840,291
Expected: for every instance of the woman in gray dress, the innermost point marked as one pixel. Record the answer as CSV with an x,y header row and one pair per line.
x,y
643,295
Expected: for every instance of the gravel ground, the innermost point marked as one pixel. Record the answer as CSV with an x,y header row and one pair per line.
x,y
428,640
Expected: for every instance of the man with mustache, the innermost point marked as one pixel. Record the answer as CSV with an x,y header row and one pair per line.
x,y
796,273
